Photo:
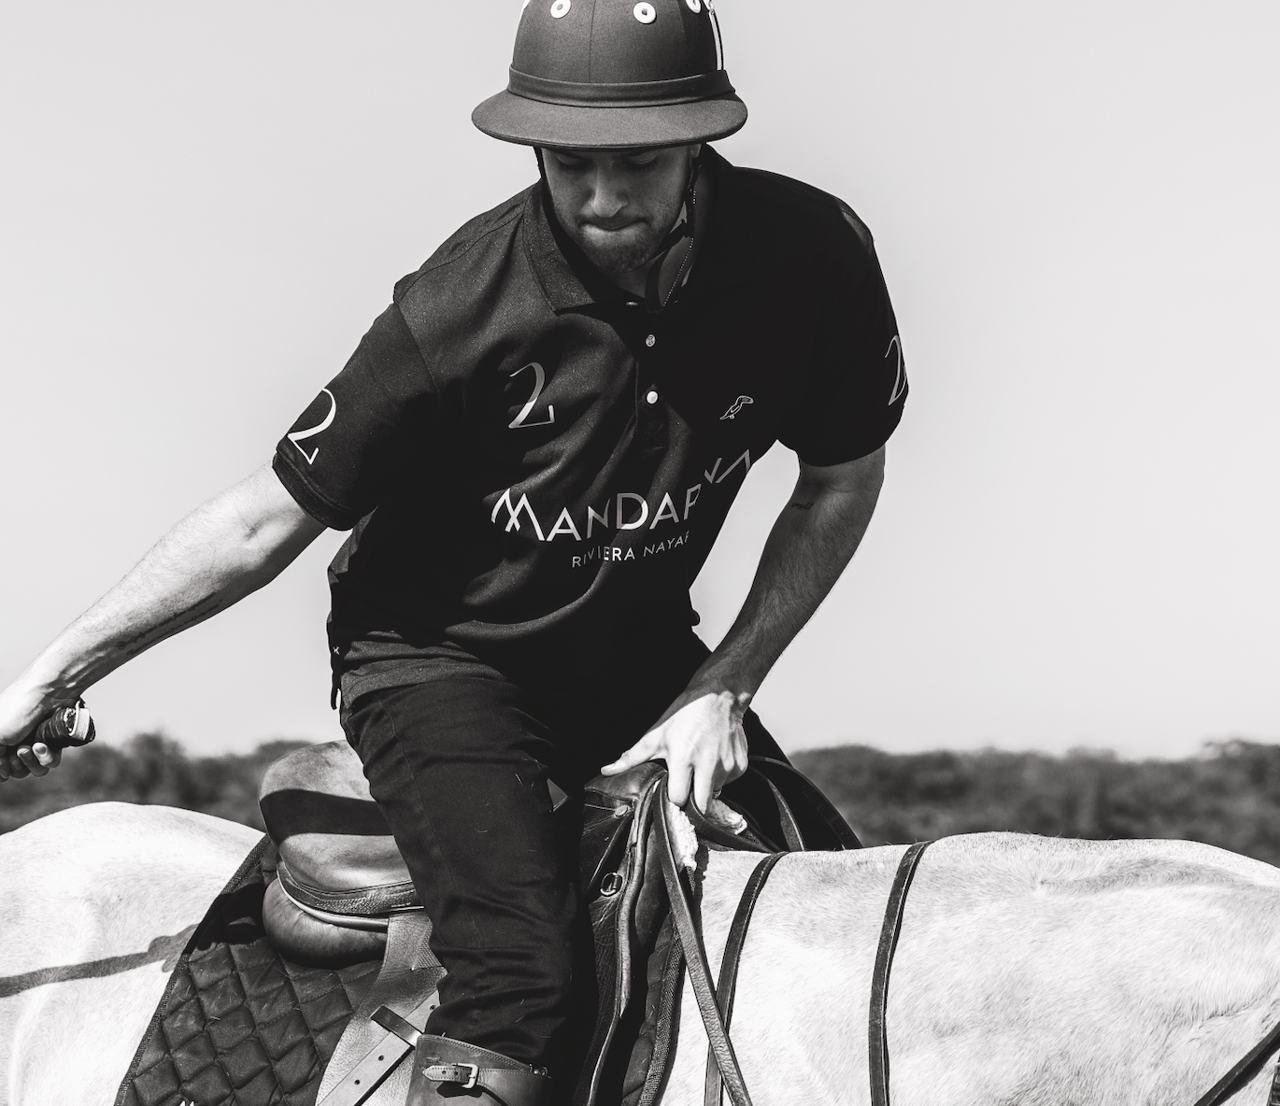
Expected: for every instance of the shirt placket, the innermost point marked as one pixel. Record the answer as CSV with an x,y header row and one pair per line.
x,y
651,409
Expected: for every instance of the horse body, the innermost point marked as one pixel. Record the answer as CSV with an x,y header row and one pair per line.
x,y
99,903
1029,970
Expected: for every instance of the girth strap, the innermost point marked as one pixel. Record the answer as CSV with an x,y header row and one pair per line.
x,y
696,958
728,980
878,1042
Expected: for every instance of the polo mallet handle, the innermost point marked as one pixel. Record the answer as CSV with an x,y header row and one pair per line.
x,y
66,726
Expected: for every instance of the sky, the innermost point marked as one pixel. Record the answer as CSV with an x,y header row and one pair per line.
x,y
203,208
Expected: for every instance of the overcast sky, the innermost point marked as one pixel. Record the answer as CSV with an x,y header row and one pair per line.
x,y
203,207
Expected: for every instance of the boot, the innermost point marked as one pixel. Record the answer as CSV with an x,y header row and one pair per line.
x,y
461,1074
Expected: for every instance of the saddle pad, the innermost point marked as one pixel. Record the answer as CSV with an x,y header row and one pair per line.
x,y
238,1025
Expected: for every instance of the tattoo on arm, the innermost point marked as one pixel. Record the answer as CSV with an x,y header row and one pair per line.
x,y
803,506
179,620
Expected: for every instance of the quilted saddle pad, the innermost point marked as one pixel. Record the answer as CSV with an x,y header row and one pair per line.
x,y
238,1025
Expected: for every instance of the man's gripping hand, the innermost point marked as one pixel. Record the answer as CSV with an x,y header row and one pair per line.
x,y
20,712
701,739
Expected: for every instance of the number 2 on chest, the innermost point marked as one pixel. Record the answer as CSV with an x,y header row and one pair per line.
x,y
539,382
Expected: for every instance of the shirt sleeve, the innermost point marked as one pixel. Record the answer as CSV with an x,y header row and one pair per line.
x,y
341,456
857,382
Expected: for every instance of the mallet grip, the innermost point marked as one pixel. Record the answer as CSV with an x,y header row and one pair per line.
x,y
72,725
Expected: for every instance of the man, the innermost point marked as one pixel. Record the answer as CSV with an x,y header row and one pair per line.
x,y
534,448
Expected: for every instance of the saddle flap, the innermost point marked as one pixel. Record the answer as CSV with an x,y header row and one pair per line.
x,y
620,808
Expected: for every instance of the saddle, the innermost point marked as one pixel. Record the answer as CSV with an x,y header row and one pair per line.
x,y
344,895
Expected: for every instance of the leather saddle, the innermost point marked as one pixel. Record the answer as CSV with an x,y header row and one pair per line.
x,y
344,895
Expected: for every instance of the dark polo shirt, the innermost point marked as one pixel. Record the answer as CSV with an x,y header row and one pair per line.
x,y
535,468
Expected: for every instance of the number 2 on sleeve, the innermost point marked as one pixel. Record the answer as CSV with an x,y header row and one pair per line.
x,y
300,436
539,382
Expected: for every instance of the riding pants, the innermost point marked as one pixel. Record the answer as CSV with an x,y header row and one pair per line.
x,y
459,764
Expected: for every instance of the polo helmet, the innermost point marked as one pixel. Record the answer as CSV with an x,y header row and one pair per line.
x,y
615,74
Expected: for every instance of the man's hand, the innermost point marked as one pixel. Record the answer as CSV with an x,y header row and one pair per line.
x,y
701,739
20,712
700,736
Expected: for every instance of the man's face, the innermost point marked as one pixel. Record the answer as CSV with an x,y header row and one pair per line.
x,y
618,205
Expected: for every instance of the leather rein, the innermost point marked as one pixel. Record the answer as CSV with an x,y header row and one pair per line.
x,y
715,1001
878,1043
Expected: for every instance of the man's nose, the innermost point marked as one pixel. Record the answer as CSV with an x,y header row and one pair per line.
x,y
608,196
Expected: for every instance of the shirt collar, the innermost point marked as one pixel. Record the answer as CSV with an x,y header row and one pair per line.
x,y
570,282
728,254
559,265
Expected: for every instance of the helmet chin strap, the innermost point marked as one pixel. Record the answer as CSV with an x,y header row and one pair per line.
x,y
684,228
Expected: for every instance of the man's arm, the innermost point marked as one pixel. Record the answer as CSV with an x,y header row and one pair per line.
x,y
700,736
221,552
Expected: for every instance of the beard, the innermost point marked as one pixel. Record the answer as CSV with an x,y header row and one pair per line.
x,y
623,248
621,251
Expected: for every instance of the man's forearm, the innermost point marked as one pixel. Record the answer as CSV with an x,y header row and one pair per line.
x,y
809,546
218,554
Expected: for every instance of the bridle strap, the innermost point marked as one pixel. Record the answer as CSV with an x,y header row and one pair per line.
x,y
878,1042
696,957
728,980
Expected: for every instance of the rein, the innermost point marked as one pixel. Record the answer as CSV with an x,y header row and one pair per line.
x,y
1245,1070
722,1063
878,1043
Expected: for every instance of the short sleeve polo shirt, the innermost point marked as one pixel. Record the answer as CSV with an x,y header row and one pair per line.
x,y
534,468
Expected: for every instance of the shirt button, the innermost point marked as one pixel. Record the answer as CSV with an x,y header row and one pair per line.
x,y
652,397
651,341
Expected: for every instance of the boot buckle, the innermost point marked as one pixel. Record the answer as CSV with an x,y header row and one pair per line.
x,y
466,1075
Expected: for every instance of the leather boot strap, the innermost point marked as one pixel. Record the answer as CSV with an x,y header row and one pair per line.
x,y
515,1088
467,1066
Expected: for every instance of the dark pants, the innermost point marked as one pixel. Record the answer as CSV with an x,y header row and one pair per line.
x,y
459,765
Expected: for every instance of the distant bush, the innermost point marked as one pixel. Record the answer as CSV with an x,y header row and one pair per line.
x,y
1227,796
149,768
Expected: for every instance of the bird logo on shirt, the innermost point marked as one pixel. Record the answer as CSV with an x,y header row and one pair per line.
x,y
738,405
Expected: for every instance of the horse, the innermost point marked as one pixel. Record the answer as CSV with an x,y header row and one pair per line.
x,y
1029,970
